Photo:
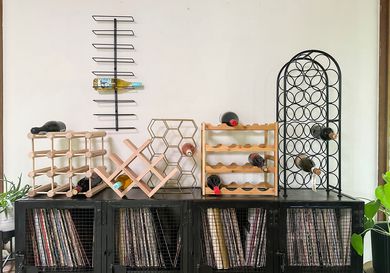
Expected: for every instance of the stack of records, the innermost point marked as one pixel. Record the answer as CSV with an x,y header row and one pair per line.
x,y
141,241
223,246
55,239
318,237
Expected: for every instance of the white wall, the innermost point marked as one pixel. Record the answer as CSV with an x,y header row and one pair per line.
x,y
197,58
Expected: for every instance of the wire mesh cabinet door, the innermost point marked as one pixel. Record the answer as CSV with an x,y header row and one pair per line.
x,y
146,235
232,236
58,236
315,237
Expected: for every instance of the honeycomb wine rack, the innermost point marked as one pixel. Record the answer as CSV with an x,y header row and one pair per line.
x,y
268,147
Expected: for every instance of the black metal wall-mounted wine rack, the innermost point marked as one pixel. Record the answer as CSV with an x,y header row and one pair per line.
x,y
120,29
309,93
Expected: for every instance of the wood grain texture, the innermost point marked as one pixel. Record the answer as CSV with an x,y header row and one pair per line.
x,y
1,95
383,91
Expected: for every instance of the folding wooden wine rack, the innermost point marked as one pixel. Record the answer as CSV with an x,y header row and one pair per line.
x,y
268,147
123,167
69,154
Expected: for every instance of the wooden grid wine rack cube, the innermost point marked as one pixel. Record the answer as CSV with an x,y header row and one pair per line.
x,y
87,153
268,147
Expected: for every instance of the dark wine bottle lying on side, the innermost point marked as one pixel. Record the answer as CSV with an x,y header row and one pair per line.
x,y
83,184
214,183
324,133
257,160
50,126
306,164
230,118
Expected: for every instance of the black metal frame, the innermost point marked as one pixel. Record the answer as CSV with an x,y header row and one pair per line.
x,y
190,205
21,208
115,46
308,93
111,207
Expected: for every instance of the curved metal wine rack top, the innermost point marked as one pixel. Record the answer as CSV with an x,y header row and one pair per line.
x,y
309,93
168,136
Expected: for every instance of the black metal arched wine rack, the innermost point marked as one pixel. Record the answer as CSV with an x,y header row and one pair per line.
x,y
309,93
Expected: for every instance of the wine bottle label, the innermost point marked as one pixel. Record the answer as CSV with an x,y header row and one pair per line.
x,y
105,83
313,182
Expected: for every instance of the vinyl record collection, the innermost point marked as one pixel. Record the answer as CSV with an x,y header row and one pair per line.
x,y
144,241
318,237
55,239
226,246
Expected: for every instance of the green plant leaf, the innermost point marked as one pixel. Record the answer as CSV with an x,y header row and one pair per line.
x,y
357,243
368,223
371,208
382,192
386,177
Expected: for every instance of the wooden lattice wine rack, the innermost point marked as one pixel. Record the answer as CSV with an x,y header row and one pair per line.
x,y
61,158
267,147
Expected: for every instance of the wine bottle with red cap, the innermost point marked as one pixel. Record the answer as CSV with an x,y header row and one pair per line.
x,y
214,183
83,184
230,118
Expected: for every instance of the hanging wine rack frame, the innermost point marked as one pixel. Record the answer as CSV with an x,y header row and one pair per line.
x,y
87,154
309,93
268,148
116,47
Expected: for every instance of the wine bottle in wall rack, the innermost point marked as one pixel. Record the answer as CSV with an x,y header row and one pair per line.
x,y
83,184
304,163
122,182
188,149
214,183
321,132
50,126
108,84
230,118
257,160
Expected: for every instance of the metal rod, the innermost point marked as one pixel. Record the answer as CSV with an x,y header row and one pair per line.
x,y
122,115
119,101
115,75
114,128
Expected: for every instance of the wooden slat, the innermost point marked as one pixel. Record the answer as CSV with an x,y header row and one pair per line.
x,y
253,191
235,168
240,127
220,148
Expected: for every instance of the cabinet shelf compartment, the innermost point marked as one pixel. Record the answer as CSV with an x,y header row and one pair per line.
x,y
317,237
233,237
58,236
148,237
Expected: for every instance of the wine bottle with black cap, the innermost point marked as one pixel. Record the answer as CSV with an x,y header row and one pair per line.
x,y
257,160
50,126
323,132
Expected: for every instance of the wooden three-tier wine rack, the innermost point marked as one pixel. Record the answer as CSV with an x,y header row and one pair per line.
x,y
65,155
268,147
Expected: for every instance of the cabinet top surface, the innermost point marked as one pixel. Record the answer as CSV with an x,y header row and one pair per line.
x,y
294,195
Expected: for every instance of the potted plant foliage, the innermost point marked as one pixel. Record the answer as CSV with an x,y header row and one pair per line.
x,y
12,193
380,231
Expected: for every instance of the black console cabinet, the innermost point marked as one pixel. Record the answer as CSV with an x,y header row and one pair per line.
x,y
179,222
